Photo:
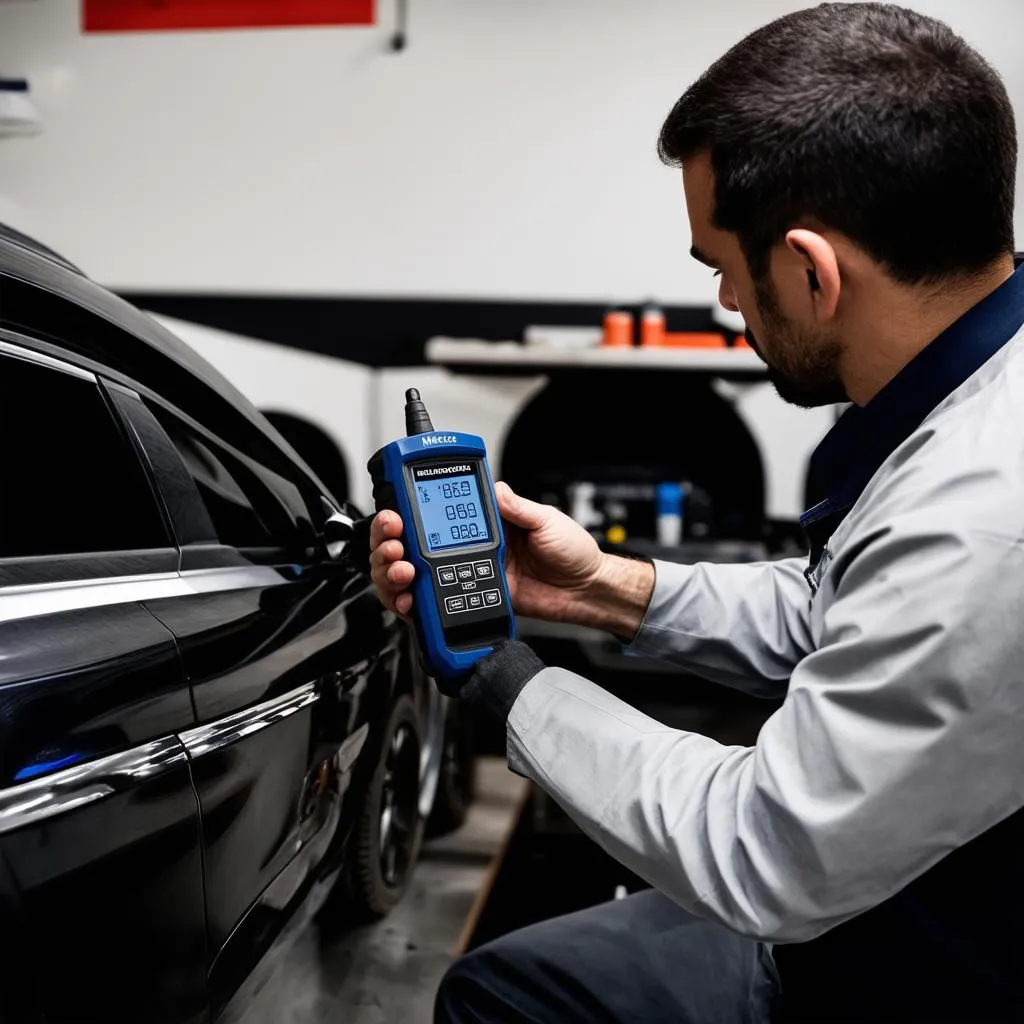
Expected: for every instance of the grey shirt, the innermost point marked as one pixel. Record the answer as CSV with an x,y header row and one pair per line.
x,y
900,737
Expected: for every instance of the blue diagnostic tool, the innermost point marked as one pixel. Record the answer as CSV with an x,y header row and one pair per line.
x,y
439,483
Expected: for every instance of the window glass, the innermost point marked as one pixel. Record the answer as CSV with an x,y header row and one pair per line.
x,y
286,492
244,512
70,480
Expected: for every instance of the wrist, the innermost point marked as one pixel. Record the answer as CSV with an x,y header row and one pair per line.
x,y
617,596
499,678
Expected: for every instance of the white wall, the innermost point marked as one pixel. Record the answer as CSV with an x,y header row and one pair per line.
x,y
508,152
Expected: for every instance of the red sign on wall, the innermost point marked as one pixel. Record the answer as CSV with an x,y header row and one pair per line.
x,y
168,15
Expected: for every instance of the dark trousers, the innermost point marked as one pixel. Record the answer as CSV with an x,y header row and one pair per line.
x,y
638,959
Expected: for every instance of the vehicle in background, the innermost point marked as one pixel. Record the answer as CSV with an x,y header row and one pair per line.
x,y
208,722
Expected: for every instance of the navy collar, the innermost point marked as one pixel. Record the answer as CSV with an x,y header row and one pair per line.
x,y
865,436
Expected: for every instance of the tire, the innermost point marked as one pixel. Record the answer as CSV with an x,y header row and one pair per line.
x,y
385,843
456,784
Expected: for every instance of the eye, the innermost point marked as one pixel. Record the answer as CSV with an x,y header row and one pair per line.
x,y
717,273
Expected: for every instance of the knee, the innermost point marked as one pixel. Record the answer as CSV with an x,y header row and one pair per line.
x,y
478,987
450,1004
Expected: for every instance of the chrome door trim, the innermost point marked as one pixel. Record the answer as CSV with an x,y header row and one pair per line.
x,y
224,731
230,577
97,582
31,356
63,791
26,600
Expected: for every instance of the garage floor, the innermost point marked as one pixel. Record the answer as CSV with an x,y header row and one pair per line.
x,y
389,971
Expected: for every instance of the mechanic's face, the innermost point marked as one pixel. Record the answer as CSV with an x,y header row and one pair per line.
x,y
802,355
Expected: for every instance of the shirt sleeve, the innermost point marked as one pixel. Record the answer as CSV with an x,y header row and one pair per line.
x,y
898,741
746,626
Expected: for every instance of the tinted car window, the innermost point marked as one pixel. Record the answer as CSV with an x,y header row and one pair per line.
x,y
70,481
244,512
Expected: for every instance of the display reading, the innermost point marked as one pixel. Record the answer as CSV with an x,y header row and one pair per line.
x,y
450,508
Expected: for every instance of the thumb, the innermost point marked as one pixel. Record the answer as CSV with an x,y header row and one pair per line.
x,y
530,515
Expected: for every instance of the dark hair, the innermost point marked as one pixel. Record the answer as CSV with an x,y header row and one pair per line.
x,y
866,118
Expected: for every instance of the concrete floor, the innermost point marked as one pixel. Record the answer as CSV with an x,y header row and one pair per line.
x,y
389,971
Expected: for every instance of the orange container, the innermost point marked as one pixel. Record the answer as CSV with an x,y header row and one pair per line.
x,y
652,327
618,330
694,339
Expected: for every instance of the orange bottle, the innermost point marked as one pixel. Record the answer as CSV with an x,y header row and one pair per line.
x,y
618,329
652,326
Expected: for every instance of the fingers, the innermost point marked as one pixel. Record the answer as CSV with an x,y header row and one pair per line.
x,y
388,570
385,525
520,511
392,581
399,576
387,552
390,574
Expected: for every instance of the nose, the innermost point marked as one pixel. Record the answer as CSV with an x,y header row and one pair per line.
x,y
727,295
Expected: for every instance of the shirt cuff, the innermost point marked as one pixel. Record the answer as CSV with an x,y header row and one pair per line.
x,y
499,678
670,578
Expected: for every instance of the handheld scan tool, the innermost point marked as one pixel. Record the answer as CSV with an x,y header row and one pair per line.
x,y
439,483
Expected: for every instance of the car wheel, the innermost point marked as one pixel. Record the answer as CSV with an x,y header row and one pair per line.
x,y
386,840
456,784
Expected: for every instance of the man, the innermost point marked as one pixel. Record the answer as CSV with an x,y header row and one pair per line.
x,y
849,172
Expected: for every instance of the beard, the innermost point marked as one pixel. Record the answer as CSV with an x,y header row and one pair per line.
x,y
802,365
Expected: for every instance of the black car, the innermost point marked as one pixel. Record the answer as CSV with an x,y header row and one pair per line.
x,y
207,719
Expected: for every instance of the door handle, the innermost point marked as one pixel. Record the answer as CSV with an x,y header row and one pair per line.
x,y
343,536
339,529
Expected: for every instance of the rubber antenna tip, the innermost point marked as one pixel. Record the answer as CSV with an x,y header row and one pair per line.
x,y
417,420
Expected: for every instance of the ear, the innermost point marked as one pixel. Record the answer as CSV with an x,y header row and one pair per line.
x,y
819,260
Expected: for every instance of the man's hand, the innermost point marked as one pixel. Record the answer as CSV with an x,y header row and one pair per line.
x,y
551,561
554,568
391,576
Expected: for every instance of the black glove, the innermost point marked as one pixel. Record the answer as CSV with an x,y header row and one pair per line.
x,y
498,679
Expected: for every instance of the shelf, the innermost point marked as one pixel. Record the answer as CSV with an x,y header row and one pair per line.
x,y
484,356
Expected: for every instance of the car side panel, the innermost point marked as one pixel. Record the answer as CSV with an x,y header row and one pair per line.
x,y
104,845
19,965
84,683
272,788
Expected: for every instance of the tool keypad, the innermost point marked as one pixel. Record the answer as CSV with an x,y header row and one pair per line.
x,y
472,602
468,586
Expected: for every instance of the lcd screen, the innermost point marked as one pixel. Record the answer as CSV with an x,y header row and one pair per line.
x,y
451,512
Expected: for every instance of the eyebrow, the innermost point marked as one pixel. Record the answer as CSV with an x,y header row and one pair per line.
x,y
701,257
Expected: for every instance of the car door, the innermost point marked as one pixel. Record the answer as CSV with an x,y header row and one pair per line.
x,y
101,884
280,648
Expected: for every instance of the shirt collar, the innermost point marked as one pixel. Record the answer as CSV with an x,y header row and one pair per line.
x,y
865,436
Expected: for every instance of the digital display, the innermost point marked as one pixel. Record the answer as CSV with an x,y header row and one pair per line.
x,y
449,505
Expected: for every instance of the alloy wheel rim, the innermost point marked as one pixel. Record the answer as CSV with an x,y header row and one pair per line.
x,y
399,804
